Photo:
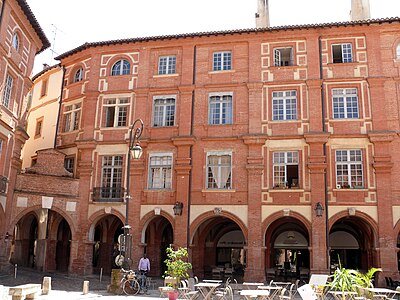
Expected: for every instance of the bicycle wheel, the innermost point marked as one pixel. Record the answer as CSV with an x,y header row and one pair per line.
x,y
131,287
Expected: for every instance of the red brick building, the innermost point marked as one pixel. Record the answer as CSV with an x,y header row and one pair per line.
x,y
21,38
279,142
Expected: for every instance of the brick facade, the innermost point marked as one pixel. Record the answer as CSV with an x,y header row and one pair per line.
x,y
310,118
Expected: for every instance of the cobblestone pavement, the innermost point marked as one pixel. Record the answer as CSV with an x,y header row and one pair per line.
x,y
65,286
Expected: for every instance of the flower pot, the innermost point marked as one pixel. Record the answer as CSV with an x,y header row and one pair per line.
x,y
172,295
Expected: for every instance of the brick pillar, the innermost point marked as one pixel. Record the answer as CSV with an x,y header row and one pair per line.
x,y
316,164
255,264
382,164
182,168
136,191
81,248
20,137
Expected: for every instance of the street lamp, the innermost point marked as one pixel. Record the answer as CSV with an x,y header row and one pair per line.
x,y
134,150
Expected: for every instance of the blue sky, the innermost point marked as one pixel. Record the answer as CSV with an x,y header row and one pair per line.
x,y
76,22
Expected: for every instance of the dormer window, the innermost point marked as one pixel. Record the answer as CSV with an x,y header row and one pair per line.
x,y
283,57
78,75
342,53
15,41
121,67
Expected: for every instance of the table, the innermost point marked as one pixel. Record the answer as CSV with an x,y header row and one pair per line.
x,y
206,289
250,285
383,293
251,294
339,295
285,285
273,290
212,281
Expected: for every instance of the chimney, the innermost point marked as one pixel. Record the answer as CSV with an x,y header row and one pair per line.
x,y
262,15
45,66
360,10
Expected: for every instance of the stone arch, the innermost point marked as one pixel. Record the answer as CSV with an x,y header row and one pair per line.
x,y
61,212
361,253
361,215
280,214
147,218
95,217
210,214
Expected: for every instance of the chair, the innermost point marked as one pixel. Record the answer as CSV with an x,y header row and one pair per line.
x,y
393,283
306,292
183,289
228,272
190,293
225,294
270,273
318,283
290,294
304,274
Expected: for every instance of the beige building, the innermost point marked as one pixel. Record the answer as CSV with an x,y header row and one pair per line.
x,y
42,113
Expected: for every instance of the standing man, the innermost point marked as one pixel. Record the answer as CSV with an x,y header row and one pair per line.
x,y
144,267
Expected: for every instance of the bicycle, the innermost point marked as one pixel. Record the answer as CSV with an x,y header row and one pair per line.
x,y
129,283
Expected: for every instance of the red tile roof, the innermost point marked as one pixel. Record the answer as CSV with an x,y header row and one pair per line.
x,y
226,32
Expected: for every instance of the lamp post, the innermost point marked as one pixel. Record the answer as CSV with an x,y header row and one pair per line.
x,y
134,150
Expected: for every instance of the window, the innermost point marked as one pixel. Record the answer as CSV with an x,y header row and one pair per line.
x,y
116,112
220,109
78,76
43,91
69,164
286,169
398,51
349,168
7,91
283,57
222,61
111,177
39,126
284,105
71,117
342,53
167,65
15,41
164,111
219,170
345,103
121,67
160,171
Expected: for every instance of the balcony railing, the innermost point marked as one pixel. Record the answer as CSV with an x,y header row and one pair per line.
x,y
108,194
3,184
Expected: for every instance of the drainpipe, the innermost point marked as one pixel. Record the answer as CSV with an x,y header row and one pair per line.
x,y
191,151
2,12
59,108
321,76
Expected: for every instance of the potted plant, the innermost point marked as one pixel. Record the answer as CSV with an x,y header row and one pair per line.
x,y
348,280
177,268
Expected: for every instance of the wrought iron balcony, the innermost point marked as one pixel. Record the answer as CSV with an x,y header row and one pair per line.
x,y
3,184
108,194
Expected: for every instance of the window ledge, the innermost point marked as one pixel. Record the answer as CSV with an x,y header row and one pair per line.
x,y
292,190
218,190
363,189
345,119
158,190
222,71
115,128
165,75
286,67
286,121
